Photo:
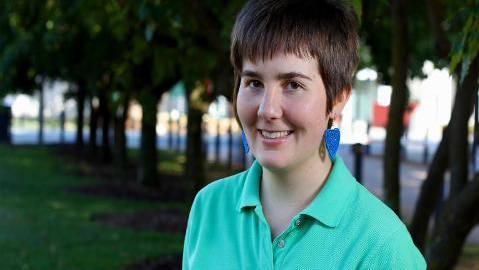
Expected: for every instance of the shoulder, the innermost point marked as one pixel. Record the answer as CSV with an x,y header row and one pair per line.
x,y
218,197
214,200
389,244
376,211
224,189
397,251
206,220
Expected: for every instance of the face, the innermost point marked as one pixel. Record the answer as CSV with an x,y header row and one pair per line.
x,y
281,104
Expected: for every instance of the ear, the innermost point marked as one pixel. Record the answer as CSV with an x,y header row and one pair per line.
x,y
341,101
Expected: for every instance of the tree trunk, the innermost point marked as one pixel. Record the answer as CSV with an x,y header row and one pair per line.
x,y
460,214
147,167
120,136
105,138
80,107
435,178
458,132
41,115
457,220
455,223
399,99
194,168
93,123
428,196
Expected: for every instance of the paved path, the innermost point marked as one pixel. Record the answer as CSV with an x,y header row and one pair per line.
x,y
412,176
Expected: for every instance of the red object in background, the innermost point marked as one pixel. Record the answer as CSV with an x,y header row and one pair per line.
x,y
381,113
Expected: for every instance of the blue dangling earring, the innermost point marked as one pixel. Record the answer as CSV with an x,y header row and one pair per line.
x,y
245,142
331,139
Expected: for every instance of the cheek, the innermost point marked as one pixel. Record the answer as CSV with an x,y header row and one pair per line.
x,y
245,106
311,115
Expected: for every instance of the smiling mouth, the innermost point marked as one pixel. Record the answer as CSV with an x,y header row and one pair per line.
x,y
275,134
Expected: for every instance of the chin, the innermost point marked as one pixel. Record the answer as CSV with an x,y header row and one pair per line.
x,y
273,163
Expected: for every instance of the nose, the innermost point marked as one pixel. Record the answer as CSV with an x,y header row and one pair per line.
x,y
270,106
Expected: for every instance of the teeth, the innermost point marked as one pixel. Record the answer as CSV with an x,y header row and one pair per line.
x,y
275,135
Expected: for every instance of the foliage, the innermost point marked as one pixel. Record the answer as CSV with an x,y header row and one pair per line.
x,y
376,36
466,42
19,57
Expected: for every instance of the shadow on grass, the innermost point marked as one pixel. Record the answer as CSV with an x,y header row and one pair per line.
x,y
51,217
119,183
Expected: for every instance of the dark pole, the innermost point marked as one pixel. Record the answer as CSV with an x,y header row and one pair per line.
x,y
62,127
178,134
217,141
358,161
204,139
41,118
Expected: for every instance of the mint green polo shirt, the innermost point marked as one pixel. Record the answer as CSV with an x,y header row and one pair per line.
x,y
344,227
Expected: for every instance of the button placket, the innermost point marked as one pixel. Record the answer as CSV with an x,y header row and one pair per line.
x,y
298,222
281,243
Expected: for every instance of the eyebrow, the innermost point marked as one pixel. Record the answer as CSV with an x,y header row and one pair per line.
x,y
282,76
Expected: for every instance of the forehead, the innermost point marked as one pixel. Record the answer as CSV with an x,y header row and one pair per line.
x,y
282,62
265,55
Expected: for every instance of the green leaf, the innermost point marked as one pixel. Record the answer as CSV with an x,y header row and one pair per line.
x,y
143,10
466,48
456,54
150,31
465,67
357,4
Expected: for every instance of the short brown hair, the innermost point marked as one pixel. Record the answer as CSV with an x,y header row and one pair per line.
x,y
322,29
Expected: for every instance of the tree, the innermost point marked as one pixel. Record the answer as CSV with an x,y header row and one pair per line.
x,y
396,60
460,212
205,46
21,63
398,104
154,66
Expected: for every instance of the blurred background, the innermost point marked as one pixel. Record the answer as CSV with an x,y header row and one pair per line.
x,y
114,113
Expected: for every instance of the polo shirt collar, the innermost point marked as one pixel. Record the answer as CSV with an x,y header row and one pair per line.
x,y
334,198
329,205
250,193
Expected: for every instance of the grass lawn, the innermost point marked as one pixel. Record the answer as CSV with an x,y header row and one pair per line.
x,y
44,225
469,258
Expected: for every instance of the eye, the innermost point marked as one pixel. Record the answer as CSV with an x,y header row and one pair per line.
x,y
293,85
254,84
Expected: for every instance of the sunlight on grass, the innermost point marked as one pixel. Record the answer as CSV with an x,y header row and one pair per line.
x,y
171,168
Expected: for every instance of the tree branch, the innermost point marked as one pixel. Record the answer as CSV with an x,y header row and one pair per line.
x,y
457,220
428,196
458,129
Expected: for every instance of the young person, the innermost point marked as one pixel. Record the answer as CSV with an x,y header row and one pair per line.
x,y
297,206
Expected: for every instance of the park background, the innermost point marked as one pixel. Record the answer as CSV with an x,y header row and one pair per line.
x,y
114,113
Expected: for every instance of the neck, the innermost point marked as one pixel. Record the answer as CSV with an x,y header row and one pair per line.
x,y
285,193
302,182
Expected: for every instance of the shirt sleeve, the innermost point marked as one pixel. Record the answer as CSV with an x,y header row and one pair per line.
x,y
397,252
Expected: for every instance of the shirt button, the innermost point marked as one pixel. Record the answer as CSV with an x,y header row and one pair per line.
x,y
298,222
281,243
